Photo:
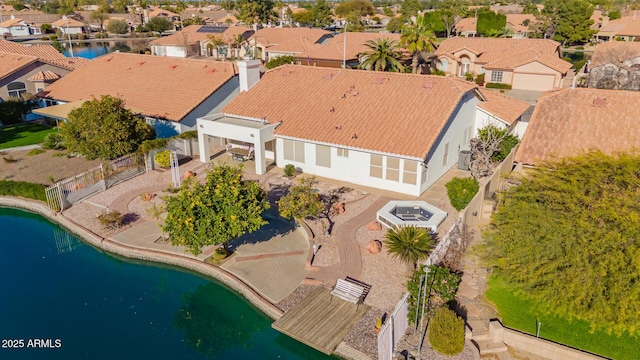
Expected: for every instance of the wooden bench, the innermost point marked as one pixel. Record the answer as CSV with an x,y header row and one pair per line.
x,y
348,291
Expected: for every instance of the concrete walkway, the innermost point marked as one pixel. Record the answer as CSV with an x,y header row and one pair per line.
x,y
20,148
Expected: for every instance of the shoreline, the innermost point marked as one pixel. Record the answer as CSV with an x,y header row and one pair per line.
x,y
200,267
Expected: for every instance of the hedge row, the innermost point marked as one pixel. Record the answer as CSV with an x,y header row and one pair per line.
x,y
23,189
498,86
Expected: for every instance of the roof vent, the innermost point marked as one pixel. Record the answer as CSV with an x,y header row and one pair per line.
x,y
339,127
428,85
328,76
333,109
354,136
141,63
109,59
599,102
381,80
211,71
173,66
286,73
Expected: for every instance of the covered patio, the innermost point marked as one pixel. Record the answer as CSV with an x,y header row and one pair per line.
x,y
244,139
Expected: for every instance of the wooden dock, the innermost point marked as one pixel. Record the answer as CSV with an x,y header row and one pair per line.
x,y
320,321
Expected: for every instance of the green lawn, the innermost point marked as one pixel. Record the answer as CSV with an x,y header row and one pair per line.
x,y
23,134
518,313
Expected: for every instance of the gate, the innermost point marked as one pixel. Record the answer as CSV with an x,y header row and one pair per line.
x,y
393,329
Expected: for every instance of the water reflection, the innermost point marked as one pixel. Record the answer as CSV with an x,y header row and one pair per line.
x,y
93,49
65,242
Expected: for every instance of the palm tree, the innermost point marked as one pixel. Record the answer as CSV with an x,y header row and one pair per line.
x,y
237,42
383,56
416,37
409,243
216,42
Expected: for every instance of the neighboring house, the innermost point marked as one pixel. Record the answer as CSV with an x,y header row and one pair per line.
x,y
569,121
364,127
627,28
526,64
30,69
193,40
227,20
615,65
503,112
599,20
170,92
69,26
18,27
333,52
520,25
160,12
265,39
466,27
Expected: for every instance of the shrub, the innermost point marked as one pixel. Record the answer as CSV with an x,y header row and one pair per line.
x,y
480,79
149,145
468,76
446,332
98,36
579,64
23,189
112,220
508,142
53,141
289,170
280,60
461,191
498,86
188,135
35,152
44,38
220,254
163,158
438,72
58,154
53,37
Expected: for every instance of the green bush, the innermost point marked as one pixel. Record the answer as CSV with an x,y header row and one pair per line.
x,y
579,64
219,254
112,220
461,191
53,37
438,72
98,36
23,189
443,283
53,141
35,152
188,135
498,86
446,332
480,79
149,145
280,60
289,170
509,141
163,158
44,38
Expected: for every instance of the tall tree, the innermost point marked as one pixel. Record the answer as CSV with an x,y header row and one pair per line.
x,y
321,14
221,209
255,11
568,21
301,201
417,38
159,24
103,128
568,238
490,22
99,17
409,243
410,8
362,7
354,22
383,55
302,17
117,26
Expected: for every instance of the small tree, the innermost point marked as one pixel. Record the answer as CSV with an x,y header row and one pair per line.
x,y
159,24
99,17
104,128
446,332
302,201
409,243
117,26
221,209
440,282
493,144
461,191
490,22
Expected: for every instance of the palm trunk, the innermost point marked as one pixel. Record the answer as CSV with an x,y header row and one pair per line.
x,y
414,62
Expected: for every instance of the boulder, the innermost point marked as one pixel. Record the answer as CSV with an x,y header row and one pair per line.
x,y
374,226
188,174
339,207
374,247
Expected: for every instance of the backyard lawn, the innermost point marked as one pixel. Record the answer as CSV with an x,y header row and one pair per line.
x,y
23,134
519,313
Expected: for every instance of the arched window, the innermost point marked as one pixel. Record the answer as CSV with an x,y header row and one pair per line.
x,y
16,89
465,66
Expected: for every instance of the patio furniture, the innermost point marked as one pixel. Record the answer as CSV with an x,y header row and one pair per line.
x,y
348,291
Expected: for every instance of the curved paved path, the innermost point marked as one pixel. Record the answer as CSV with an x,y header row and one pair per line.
x,y
348,247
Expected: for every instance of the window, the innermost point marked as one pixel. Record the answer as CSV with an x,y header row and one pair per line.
x,y
323,156
443,65
465,66
293,151
393,169
375,168
410,172
445,158
343,152
496,76
16,89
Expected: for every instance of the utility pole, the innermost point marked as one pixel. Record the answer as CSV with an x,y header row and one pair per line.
x,y
69,36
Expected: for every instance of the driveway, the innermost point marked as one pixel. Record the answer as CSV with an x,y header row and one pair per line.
x,y
529,96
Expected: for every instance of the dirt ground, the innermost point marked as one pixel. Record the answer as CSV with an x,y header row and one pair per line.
x,y
40,168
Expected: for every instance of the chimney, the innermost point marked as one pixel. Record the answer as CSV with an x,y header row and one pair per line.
x,y
249,73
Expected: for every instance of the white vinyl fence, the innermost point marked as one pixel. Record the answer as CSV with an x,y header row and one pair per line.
x,y
393,329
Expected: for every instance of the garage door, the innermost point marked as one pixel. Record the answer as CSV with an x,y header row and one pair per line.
x,y
533,82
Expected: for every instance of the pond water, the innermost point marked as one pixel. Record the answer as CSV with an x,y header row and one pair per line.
x,y
72,301
93,49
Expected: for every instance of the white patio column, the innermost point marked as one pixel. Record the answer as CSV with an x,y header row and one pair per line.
x,y
203,145
259,157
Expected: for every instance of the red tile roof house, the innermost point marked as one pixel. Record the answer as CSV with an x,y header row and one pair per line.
x,y
526,64
170,92
569,121
274,42
18,27
29,69
398,132
192,40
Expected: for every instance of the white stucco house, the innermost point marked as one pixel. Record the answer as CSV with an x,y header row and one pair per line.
x,y
391,131
18,27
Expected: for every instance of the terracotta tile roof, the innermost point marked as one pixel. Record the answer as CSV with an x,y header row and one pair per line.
x,y
274,36
168,88
162,12
502,106
9,63
190,35
232,19
516,22
11,22
45,53
526,57
46,76
494,49
64,22
625,26
466,25
298,45
377,111
334,48
567,121
614,52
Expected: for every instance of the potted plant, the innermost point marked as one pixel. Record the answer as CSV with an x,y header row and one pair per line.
x,y
378,325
